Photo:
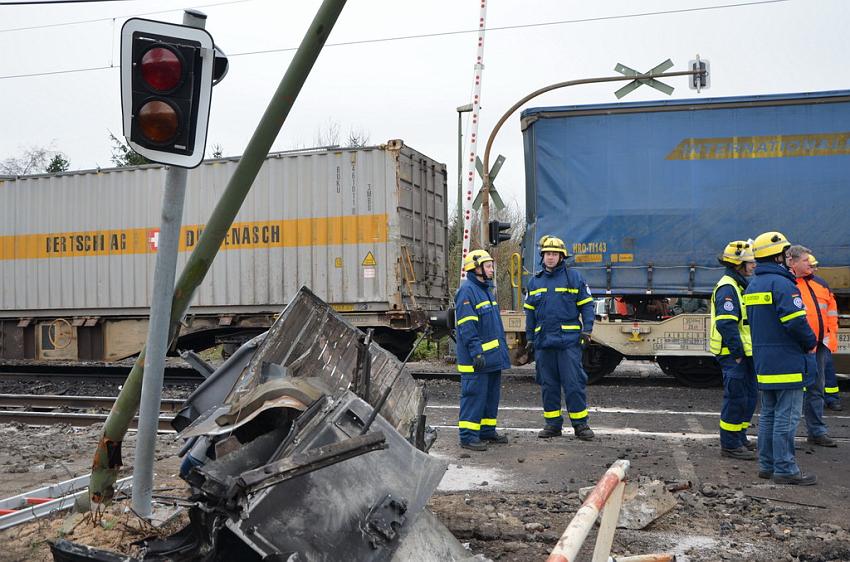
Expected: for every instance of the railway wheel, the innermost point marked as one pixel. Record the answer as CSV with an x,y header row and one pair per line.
x,y
599,361
696,372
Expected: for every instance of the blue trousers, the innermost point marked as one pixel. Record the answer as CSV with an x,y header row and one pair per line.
x,y
740,393
559,369
830,385
813,400
479,405
780,415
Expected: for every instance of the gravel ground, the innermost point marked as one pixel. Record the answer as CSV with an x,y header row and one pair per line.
x,y
727,515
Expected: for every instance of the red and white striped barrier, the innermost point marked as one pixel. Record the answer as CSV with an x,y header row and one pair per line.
x,y
472,145
570,542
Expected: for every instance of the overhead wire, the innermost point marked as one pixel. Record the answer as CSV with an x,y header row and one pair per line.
x,y
436,34
111,18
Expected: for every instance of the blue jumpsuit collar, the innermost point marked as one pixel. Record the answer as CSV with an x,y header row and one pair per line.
x,y
483,284
775,269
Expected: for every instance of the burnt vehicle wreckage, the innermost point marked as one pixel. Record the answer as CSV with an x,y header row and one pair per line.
x,y
309,443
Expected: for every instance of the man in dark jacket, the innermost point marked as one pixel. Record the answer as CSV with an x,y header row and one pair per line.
x,y
482,353
783,349
557,297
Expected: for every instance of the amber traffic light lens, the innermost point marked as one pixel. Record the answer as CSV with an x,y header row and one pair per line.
x,y
158,121
161,69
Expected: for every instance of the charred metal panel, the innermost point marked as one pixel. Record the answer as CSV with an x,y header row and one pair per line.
x,y
311,341
358,509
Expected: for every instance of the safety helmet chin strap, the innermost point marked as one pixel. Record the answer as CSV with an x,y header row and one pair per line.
x,y
483,273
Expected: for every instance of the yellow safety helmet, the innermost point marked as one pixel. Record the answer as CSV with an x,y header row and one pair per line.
x,y
813,260
770,244
737,252
553,244
475,258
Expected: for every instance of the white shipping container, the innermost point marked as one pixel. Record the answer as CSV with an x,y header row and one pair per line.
x,y
344,222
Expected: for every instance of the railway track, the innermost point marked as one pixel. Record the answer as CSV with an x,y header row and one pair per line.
x,y
92,373
35,409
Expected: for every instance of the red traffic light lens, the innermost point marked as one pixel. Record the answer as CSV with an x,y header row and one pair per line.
x,y
162,69
158,121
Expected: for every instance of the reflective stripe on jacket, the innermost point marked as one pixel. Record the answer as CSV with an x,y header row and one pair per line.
x,y
479,328
730,329
782,338
555,301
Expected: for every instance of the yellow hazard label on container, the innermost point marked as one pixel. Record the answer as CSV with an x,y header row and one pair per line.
x,y
337,262
622,258
369,260
589,258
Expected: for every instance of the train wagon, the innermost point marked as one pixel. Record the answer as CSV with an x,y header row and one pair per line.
x,y
646,195
364,228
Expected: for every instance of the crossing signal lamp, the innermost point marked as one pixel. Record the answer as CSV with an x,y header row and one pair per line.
x,y
496,234
166,90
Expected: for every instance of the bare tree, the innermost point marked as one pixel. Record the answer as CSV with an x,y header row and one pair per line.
x,y
217,150
357,137
33,160
329,134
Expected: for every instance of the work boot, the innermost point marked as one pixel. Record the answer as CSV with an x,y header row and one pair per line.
x,y
750,445
549,431
766,474
741,453
822,440
798,479
834,406
584,432
496,438
474,446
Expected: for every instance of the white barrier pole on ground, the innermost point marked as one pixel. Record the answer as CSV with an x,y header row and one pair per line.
x,y
570,542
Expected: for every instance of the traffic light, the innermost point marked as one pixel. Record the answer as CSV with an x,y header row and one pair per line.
x,y
495,232
166,89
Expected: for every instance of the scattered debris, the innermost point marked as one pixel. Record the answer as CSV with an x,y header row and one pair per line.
x,y
310,443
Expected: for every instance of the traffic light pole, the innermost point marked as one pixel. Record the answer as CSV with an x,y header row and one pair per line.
x,y
485,190
107,457
160,315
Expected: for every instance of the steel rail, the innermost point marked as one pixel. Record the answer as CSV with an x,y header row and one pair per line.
x,y
35,401
70,418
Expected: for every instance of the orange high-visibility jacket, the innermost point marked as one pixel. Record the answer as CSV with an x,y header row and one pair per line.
x,y
821,309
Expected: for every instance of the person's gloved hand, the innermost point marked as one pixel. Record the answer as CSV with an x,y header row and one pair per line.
x,y
584,339
529,349
478,362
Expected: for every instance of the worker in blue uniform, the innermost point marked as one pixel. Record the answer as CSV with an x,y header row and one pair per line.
x,y
783,352
730,342
559,318
482,353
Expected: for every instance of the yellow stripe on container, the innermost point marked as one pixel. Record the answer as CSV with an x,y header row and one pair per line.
x,y
322,231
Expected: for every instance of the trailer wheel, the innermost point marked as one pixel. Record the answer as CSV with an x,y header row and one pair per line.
x,y
599,361
696,372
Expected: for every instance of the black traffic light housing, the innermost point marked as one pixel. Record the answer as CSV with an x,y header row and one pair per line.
x,y
166,89
496,235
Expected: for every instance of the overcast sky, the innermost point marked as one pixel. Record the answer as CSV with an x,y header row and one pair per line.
x,y
391,85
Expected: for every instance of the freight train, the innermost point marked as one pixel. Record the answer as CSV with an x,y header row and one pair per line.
x,y
646,195
364,228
